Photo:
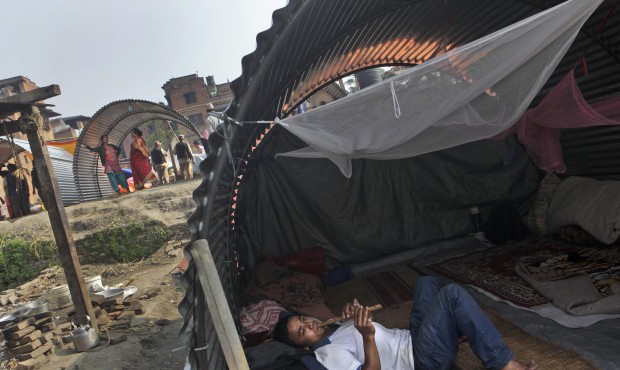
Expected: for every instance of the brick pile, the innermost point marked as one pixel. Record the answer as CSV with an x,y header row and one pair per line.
x,y
31,339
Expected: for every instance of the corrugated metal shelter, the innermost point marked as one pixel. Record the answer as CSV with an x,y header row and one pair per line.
x,y
315,42
63,167
116,120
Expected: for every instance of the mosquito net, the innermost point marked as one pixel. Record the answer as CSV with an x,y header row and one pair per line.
x,y
564,107
473,92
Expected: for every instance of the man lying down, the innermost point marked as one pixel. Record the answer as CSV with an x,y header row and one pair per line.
x,y
439,317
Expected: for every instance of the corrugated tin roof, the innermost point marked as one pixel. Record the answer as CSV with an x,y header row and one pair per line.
x,y
116,120
312,43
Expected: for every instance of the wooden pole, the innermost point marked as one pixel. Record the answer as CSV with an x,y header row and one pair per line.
x,y
50,194
223,321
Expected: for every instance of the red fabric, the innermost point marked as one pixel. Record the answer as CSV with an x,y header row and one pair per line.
x,y
310,261
140,165
564,107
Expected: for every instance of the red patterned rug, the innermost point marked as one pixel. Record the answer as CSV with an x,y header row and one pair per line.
x,y
494,269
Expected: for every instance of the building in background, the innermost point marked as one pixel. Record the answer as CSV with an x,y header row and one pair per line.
x,y
20,84
189,96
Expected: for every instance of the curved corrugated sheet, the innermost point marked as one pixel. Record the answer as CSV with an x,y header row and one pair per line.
x,y
62,161
314,42
116,119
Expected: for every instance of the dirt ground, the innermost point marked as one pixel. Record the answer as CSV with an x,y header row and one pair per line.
x,y
152,340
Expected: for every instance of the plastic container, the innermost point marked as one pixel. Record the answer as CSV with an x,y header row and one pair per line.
x,y
61,297
93,282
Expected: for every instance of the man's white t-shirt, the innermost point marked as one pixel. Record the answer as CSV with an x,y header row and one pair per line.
x,y
345,350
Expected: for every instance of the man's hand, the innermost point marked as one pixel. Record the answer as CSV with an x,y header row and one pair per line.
x,y
363,321
349,309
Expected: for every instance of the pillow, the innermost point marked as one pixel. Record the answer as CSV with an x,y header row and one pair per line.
x,y
260,317
594,205
536,219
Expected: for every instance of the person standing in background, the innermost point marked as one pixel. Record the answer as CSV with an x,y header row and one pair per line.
x,y
140,162
108,154
185,157
199,155
18,192
213,124
158,156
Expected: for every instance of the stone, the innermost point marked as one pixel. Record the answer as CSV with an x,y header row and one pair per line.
x,y
18,326
18,334
114,315
162,322
111,302
65,326
43,315
25,339
103,320
47,337
66,339
29,365
120,324
127,315
43,321
116,308
36,353
113,338
47,327
26,348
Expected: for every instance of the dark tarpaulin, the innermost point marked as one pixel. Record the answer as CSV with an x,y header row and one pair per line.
x,y
289,204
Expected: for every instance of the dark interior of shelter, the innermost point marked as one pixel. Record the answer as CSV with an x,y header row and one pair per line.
x,y
538,249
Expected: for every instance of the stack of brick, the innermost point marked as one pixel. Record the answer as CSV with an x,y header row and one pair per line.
x,y
31,339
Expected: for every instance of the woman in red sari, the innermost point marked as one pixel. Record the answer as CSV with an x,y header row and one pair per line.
x,y
140,162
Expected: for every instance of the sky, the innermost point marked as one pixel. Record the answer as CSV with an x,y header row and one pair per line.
x,y
102,51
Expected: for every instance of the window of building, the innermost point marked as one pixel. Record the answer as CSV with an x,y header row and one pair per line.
x,y
195,119
190,98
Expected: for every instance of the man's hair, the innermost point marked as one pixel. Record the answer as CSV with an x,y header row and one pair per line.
x,y
280,331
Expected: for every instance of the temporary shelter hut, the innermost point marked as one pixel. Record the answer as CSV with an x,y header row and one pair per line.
x,y
61,160
252,204
116,120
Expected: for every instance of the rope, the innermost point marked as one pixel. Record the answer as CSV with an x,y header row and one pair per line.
x,y
397,112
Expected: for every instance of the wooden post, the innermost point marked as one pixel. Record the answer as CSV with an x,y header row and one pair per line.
x,y
218,305
50,194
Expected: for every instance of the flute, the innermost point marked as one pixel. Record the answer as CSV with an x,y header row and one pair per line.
x,y
340,318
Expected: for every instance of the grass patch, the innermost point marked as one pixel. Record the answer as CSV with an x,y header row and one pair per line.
x,y
21,260
128,243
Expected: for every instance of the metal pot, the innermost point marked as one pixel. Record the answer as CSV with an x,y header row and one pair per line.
x,y
84,337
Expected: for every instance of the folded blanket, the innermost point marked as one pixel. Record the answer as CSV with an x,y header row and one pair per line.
x,y
592,204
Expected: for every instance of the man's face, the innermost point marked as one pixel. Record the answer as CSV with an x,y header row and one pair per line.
x,y
305,331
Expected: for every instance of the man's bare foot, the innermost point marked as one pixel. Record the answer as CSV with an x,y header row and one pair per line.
x,y
514,365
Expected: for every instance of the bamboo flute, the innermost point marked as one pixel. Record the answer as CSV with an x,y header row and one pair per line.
x,y
340,318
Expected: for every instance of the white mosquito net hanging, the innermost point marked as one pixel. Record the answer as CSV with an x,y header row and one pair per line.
x,y
470,93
